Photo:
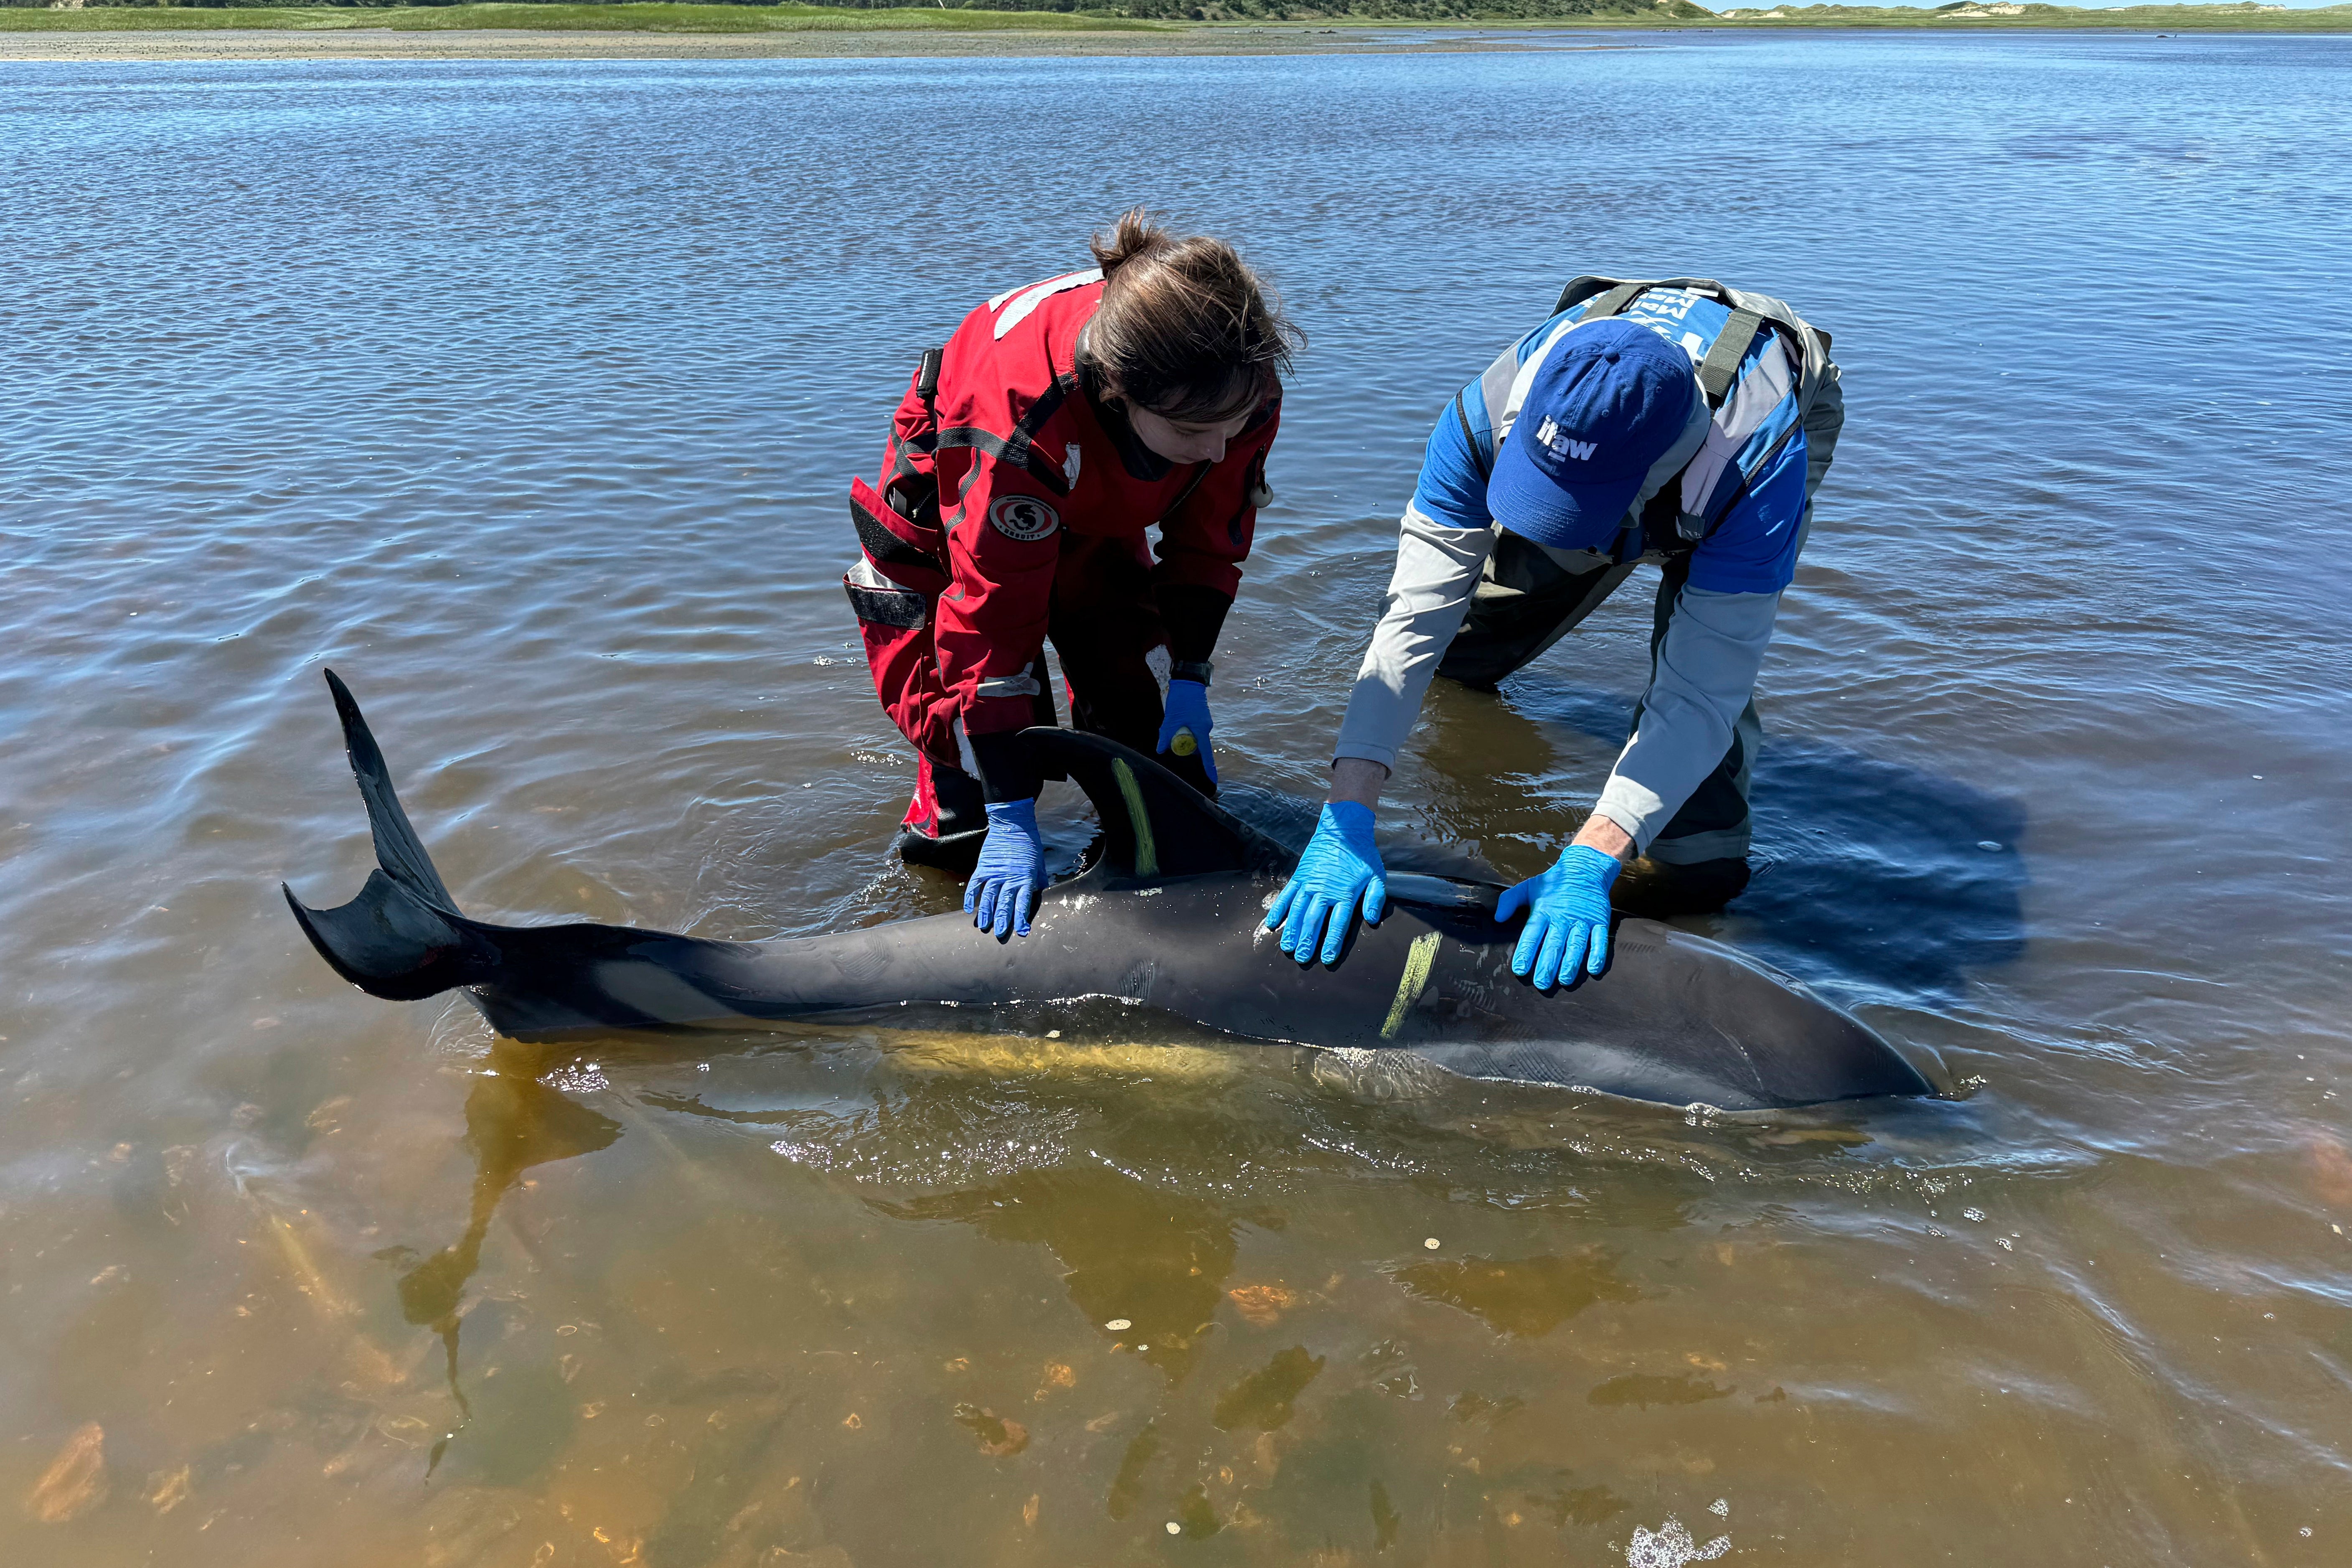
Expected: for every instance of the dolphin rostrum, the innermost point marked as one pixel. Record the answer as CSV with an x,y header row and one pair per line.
x,y
1168,914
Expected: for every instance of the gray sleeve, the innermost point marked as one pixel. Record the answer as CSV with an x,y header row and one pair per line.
x,y
1705,675
1437,568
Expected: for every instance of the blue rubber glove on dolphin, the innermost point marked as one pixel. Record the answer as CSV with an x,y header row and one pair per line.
x,y
1187,711
1338,873
1568,917
1012,871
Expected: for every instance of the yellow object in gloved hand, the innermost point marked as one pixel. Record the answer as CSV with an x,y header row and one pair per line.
x,y
1184,732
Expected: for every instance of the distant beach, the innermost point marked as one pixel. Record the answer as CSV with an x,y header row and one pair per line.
x,y
661,31
385,44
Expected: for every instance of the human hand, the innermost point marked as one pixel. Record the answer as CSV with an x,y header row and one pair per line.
x,y
1568,917
1338,873
1187,725
1011,872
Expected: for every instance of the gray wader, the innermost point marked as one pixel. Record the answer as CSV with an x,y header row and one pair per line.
x,y
1526,601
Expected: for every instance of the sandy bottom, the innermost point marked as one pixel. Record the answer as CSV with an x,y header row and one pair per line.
x,y
382,44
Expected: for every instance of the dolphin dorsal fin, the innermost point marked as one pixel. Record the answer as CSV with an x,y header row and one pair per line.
x,y
1154,824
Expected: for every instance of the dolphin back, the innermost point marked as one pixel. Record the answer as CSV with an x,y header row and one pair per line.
x,y
1168,914
1154,825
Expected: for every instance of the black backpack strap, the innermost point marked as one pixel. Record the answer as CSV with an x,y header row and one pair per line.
x,y
927,385
1611,302
1580,289
1722,361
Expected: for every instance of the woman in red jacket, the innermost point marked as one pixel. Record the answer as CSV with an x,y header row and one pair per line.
x,y
1027,458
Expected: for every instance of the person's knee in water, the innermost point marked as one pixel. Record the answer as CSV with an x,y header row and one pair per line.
x,y
1679,423
1026,461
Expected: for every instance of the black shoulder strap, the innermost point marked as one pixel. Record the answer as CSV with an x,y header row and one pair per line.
x,y
1581,288
1722,361
1608,303
926,383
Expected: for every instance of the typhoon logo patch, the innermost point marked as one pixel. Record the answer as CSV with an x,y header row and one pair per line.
x,y
1022,517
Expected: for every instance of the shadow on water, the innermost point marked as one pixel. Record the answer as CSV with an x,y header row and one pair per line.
x,y
1153,1260
511,1124
1146,1217
1867,871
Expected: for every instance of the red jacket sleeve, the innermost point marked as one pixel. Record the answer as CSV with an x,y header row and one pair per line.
x,y
1003,545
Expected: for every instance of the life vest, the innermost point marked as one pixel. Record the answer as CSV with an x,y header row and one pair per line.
x,y
998,444
1754,414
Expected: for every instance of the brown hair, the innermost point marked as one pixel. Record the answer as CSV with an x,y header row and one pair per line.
x,y
1184,329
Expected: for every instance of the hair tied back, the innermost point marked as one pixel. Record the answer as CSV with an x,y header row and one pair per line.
x,y
1135,236
1185,328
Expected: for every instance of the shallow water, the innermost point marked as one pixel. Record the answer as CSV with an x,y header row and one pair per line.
x,y
525,396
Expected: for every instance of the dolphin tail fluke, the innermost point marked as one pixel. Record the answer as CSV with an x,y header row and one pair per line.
x,y
1154,824
390,943
402,938
397,849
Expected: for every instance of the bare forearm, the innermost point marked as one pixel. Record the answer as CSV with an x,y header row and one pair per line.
x,y
1355,779
1600,833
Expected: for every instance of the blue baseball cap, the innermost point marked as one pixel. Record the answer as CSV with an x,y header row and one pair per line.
x,y
1604,405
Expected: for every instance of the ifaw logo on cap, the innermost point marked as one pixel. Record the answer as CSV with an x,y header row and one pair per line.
x,y
1555,442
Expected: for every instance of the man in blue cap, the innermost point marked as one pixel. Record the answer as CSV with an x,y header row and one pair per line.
x,y
1678,422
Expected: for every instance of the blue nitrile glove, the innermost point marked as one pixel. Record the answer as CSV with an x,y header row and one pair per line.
x,y
1188,724
1011,869
1568,917
1340,871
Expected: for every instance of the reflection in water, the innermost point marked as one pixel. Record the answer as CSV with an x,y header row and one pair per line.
x,y
1871,870
1263,1401
1151,1262
1126,1484
513,1124
721,1481
1525,1295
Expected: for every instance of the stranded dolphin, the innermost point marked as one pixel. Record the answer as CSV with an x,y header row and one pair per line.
x,y
1167,913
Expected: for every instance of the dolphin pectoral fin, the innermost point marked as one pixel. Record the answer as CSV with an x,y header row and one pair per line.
x,y
1154,824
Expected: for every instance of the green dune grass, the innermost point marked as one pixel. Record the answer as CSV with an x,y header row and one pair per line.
x,y
539,19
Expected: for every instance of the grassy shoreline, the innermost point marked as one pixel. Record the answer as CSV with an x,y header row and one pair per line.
x,y
657,16
660,17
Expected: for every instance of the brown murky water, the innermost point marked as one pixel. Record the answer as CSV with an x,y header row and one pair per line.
x,y
525,395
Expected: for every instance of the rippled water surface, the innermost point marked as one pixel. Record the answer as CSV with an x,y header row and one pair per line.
x,y
525,396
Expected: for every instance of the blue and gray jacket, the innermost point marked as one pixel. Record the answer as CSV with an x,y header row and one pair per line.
x,y
1732,501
